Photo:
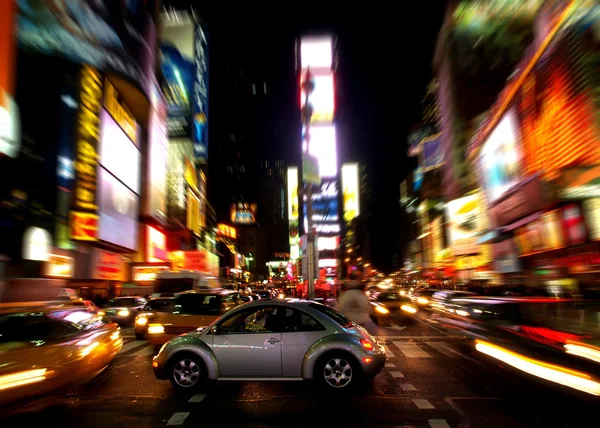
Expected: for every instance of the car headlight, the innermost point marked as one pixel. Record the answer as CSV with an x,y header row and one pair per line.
x,y
422,301
141,321
409,309
101,313
402,292
156,329
123,313
382,310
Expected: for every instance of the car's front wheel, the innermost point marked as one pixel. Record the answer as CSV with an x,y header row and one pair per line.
x,y
338,371
186,371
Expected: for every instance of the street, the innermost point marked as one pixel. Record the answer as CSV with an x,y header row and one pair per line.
x,y
431,380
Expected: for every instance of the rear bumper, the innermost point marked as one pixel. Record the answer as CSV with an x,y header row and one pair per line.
x,y
376,365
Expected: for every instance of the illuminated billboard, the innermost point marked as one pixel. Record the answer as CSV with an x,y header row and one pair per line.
x,y
350,191
322,145
316,53
321,99
243,213
158,152
193,212
466,221
293,204
501,157
118,212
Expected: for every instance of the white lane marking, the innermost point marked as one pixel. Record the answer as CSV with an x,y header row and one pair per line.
x,y
396,374
442,348
197,398
145,352
131,345
438,423
397,327
407,387
388,353
390,365
411,350
423,404
178,418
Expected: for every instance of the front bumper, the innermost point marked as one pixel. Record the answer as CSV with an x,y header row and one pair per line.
x,y
158,366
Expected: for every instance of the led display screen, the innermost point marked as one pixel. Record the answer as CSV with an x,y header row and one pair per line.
x,y
118,211
322,145
118,154
321,99
159,146
316,53
350,191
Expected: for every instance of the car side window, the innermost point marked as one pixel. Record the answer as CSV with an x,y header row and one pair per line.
x,y
261,319
295,321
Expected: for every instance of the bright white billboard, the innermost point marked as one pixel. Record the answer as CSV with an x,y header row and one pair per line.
x,y
466,222
350,191
316,53
322,98
322,145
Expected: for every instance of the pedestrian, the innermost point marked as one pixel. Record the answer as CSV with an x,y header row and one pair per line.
x,y
353,302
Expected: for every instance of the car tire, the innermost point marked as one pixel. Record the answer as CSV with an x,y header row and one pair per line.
x,y
139,336
186,371
338,371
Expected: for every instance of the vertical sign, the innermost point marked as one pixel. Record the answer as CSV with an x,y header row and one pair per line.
x,y
84,216
292,190
199,131
350,191
10,133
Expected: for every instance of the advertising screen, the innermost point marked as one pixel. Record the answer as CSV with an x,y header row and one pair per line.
x,y
321,99
193,212
350,191
158,152
118,211
465,219
293,204
316,53
327,243
322,145
433,157
243,213
118,154
109,35
500,157
543,234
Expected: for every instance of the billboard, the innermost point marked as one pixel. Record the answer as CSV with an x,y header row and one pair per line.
x,y
110,35
243,213
501,157
466,220
118,211
433,156
10,133
193,212
184,64
322,145
83,217
293,204
157,157
350,191
321,99
316,53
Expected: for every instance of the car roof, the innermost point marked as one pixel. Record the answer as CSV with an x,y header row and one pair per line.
x,y
220,291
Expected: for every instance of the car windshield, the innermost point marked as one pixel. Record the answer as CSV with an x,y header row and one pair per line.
x,y
331,313
388,297
197,304
159,305
126,302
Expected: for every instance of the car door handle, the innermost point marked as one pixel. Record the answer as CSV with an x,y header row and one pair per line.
x,y
273,341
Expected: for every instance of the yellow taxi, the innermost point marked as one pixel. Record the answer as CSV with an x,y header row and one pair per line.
x,y
46,348
191,310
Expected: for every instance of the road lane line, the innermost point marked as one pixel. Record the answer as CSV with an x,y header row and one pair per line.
x,y
396,374
145,352
178,418
423,404
407,387
390,365
197,398
438,423
442,348
389,353
410,350
131,345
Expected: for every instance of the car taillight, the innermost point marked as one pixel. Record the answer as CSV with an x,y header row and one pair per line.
x,y
366,344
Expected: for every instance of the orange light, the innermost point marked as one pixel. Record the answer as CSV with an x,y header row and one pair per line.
x,y
154,364
366,344
367,359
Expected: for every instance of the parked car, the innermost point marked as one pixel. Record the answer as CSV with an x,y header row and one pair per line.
x,y
273,340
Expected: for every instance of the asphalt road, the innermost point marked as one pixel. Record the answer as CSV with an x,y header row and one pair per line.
x,y
432,379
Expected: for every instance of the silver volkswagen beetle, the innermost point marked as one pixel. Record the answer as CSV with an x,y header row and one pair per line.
x,y
273,340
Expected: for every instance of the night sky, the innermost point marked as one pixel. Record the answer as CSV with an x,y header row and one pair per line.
x,y
385,55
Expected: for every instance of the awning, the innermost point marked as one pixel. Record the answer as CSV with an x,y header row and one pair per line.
x,y
522,222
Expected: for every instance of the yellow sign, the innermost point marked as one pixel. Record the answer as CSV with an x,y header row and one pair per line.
x,y
60,266
227,231
191,175
193,213
351,191
87,137
120,112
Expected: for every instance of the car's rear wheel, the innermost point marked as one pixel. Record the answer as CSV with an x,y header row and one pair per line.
x,y
186,371
339,371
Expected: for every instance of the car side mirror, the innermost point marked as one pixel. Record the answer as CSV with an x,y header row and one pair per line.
x,y
214,330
